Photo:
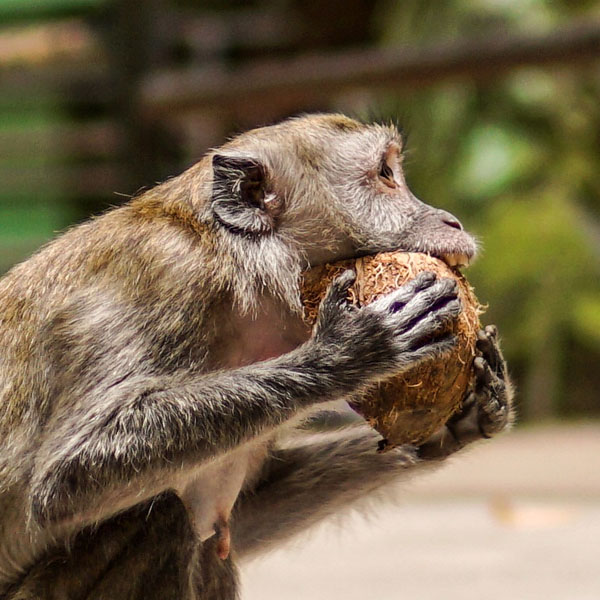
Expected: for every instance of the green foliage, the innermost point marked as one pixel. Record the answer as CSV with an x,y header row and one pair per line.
x,y
586,318
31,209
496,156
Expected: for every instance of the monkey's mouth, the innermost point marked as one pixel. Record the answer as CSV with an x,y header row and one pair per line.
x,y
456,260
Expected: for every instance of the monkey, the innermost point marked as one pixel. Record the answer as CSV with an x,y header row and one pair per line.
x,y
157,377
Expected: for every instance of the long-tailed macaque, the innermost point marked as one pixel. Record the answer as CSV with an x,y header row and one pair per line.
x,y
155,370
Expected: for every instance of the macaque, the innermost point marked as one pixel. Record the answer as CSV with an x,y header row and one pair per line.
x,y
156,373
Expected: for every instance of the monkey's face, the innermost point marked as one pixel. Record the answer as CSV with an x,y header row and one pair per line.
x,y
333,188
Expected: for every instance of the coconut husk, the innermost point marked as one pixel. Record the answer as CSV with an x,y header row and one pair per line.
x,y
411,406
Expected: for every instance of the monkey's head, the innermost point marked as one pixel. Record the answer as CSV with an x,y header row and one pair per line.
x,y
323,188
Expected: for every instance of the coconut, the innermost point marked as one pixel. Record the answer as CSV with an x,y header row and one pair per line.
x,y
409,407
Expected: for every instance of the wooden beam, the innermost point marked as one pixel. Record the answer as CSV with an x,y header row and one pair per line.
x,y
42,43
306,79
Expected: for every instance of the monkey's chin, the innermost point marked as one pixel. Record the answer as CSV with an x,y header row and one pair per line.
x,y
456,260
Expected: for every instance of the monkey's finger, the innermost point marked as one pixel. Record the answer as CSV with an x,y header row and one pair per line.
x,y
491,331
434,349
429,300
484,375
433,324
487,344
337,294
394,301
487,383
498,363
341,284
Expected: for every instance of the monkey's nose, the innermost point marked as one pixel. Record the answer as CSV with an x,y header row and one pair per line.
x,y
450,219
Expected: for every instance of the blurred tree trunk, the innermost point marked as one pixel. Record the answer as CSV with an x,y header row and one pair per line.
x,y
138,44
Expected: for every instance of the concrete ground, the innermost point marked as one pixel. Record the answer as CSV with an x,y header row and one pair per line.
x,y
517,518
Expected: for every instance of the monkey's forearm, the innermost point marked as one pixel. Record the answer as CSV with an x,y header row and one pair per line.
x,y
140,432
307,482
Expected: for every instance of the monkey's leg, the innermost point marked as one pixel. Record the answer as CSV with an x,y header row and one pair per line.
x,y
315,478
486,410
149,552
144,553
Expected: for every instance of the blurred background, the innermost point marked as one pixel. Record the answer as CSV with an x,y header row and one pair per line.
x,y
499,100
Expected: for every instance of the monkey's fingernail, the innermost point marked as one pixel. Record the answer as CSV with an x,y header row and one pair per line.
x,y
482,338
491,331
479,363
426,277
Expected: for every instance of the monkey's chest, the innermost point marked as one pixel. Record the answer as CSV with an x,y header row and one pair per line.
x,y
210,492
267,333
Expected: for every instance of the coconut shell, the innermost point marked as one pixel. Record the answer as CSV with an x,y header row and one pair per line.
x,y
411,406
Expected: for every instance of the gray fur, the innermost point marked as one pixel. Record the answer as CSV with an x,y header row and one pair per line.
x,y
154,361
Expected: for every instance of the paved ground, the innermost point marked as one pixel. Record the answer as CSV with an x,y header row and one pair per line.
x,y
516,518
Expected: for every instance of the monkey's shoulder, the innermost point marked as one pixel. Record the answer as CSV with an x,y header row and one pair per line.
x,y
129,251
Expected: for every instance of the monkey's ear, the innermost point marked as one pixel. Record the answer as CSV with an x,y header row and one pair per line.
x,y
240,199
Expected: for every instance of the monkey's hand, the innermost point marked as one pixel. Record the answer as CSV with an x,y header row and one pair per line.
x,y
390,334
486,410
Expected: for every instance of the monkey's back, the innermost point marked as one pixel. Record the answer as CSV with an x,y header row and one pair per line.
x,y
90,292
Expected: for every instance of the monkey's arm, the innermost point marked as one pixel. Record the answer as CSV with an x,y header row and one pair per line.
x,y
136,437
146,429
307,482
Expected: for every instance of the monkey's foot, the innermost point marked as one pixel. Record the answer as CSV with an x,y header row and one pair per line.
x,y
485,411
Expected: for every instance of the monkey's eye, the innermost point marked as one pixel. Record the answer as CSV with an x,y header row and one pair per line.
x,y
386,174
390,172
